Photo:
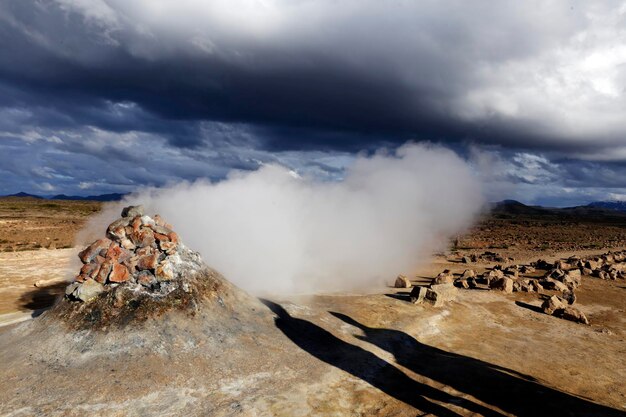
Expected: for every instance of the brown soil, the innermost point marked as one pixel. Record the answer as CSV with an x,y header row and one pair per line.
x,y
28,223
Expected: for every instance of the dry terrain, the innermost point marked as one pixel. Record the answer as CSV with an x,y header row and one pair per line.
x,y
376,354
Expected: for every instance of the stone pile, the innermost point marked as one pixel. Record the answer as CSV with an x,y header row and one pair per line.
x,y
138,250
507,279
486,257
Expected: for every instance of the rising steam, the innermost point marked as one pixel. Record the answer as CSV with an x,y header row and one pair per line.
x,y
271,231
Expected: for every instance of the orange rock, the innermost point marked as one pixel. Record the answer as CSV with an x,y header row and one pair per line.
x,y
114,252
147,262
173,237
167,246
136,223
144,251
119,273
144,237
131,263
80,278
90,269
161,238
93,250
158,220
105,270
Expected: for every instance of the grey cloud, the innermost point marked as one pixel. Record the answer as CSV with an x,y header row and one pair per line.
x,y
492,72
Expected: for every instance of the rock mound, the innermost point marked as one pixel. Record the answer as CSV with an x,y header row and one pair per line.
x,y
141,270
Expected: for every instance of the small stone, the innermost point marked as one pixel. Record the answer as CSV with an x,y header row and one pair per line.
x,y
143,238
146,278
468,273
71,288
504,284
437,294
161,238
147,262
462,283
161,229
466,260
495,273
127,244
552,284
158,220
119,273
114,252
132,211
536,285
93,250
165,271
88,290
90,269
402,282
417,294
444,278
136,224
552,304
117,230
147,221
572,314
105,270
167,246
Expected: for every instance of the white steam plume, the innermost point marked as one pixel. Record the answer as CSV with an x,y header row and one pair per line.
x,y
271,231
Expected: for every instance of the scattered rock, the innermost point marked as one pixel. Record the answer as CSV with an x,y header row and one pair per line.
x,y
88,290
504,284
444,278
438,294
119,273
571,314
402,282
552,304
553,284
132,211
417,294
468,273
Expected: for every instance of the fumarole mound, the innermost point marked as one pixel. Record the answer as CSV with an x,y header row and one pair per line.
x,y
141,270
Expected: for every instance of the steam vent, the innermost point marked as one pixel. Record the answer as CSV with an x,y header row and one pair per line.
x,y
140,269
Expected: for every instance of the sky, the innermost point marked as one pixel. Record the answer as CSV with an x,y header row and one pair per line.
x,y
100,96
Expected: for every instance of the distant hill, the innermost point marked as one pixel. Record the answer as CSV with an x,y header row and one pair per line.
x,y
22,194
609,205
101,197
515,207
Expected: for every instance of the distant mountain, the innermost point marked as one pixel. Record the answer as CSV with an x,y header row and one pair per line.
x,y
101,197
22,194
515,207
609,205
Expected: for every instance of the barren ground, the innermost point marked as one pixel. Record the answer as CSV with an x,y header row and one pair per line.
x,y
486,353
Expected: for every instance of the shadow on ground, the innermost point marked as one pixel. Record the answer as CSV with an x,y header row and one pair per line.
x,y
531,307
41,298
502,388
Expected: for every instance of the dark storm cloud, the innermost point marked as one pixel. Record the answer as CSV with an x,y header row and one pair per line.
x,y
407,70
211,86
